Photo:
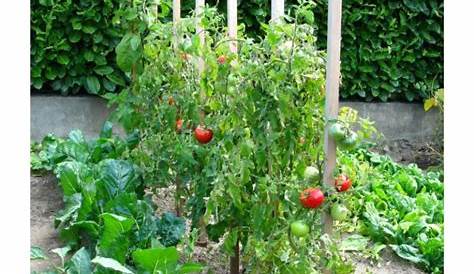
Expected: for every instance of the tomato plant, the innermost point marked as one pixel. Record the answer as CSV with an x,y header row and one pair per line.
x,y
260,104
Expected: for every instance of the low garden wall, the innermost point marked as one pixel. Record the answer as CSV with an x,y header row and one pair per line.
x,y
59,115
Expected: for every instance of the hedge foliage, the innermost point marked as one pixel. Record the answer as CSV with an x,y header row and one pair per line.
x,y
72,46
391,50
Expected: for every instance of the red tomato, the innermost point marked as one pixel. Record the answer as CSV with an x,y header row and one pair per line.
x,y
179,124
203,135
311,197
221,59
342,183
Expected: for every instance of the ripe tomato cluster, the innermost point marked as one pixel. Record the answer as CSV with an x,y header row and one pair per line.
x,y
201,134
314,197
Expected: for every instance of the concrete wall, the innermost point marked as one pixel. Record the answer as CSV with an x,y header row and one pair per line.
x,y
59,115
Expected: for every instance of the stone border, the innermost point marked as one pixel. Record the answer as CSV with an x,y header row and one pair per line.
x,y
60,114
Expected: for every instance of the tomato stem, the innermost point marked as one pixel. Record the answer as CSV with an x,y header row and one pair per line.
x,y
235,259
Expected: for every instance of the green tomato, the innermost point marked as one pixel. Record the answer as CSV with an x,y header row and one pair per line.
x,y
349,142
339,212
299,229
311,173
337,131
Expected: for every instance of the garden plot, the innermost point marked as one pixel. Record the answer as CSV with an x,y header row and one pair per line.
x,y
46,201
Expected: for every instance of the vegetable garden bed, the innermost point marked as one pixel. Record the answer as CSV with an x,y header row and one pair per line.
x,y
46,202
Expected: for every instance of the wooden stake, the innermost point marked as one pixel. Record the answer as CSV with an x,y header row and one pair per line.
x,y
176,18
199,30
332,95
278,10
232,23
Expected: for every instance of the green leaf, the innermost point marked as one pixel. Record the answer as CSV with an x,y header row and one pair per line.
x,y
170,229
63,59
117,176
111,264
69,214
62,252
103,70
408,252
230,241
116,79
80,262
73,175
354,243
89,29
75,36
92,84
154,260
36,253
76,23
106,131
114,242
190,268
128,52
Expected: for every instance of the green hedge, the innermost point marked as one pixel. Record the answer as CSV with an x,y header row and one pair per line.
x,y
72,46
391,50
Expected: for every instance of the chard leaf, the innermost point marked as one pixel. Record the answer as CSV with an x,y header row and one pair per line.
x,y
114,242
80,262
36,253
117,176
111,264
155,260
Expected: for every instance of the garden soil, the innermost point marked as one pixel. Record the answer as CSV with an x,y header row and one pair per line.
x,y
46,201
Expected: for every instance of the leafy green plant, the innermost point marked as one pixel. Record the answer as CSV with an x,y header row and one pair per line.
x,y
170,229
106,215
398,206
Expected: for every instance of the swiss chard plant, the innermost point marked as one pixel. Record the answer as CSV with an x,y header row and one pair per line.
x,y
108,224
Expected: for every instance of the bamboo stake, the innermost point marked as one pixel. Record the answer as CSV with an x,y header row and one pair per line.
x,y
332,95
232,24
278,10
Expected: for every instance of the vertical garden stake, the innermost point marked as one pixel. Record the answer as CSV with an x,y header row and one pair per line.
x,y
176,18
332,95
232,24
278,10
232,32
200,31
199,9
